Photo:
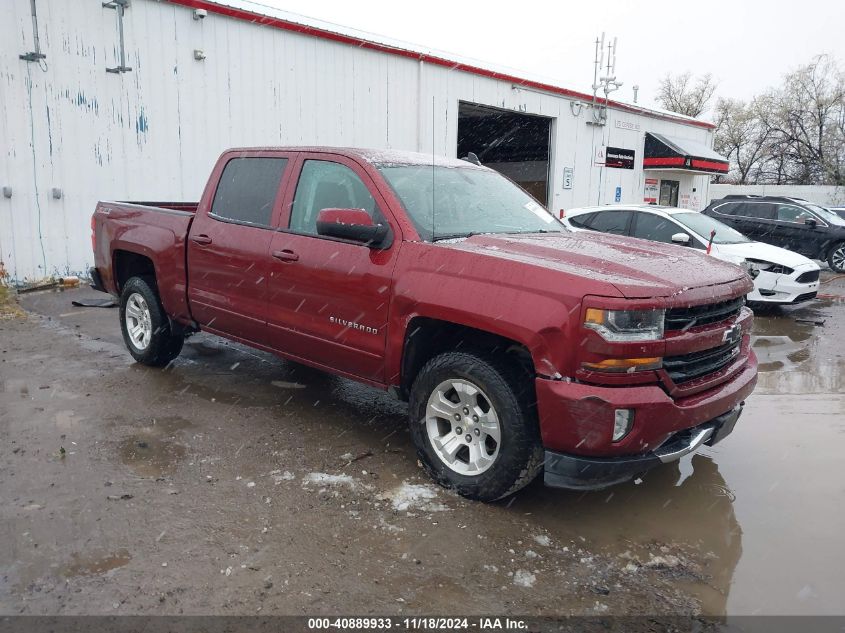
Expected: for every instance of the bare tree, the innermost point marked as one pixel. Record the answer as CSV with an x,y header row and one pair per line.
x,y
806,117
682,94
742,137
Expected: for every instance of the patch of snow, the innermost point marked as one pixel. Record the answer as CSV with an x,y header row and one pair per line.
x,y
666,562
279,478
415,497
542,539
522,578
324,479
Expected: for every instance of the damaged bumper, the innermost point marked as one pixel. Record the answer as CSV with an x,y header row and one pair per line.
x,y
593,473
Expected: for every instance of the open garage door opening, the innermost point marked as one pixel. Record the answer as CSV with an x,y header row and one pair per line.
x,y
512,143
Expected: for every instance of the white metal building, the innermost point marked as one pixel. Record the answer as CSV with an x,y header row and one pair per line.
x,y
85,117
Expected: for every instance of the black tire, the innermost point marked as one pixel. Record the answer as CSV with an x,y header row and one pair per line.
x,y
163,345
836,258
510,392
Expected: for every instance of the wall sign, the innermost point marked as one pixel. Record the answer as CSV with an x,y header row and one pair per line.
x,y
568,175
628,125
651,190
619,158
601,155
618,196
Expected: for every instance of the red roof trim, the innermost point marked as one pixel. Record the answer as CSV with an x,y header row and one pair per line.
x,y
711,164
680,162
285,25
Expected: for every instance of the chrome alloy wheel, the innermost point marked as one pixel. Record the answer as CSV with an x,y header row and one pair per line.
x,y
139,324
463,427
838,258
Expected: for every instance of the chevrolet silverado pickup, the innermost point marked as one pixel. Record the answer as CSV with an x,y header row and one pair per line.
x,y
520,346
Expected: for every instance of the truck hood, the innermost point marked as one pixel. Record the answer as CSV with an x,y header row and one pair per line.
x,y
636,268
766,253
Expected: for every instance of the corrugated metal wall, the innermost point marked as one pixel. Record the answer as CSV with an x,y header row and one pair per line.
x,y
154,132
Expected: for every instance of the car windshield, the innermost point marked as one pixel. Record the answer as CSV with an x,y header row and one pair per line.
x,y
704,224
453,202
826,214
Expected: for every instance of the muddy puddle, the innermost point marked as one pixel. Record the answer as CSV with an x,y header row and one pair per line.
x,y
94,564
801,350
154,450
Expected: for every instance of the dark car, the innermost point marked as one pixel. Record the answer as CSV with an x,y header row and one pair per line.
x,y
790,223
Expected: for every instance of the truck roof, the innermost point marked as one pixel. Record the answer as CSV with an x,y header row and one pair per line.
x,y
370,155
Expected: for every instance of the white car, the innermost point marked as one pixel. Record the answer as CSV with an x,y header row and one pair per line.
x,y
785,277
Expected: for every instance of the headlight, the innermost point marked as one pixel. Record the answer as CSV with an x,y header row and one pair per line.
x,y
626,325
769,267
750,268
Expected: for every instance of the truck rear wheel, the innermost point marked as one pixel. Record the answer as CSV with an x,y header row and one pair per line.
x,y
145,326
474,427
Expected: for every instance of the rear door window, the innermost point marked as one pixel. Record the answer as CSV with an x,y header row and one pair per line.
x,y
247,190
649,226
613,222
757,210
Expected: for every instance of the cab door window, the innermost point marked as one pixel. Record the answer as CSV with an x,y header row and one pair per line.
x,y
328,185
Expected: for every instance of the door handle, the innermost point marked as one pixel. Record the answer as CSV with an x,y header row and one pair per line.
x,y
201,239
286,255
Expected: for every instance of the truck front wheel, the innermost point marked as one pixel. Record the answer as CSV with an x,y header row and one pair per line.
x,y
474,427
145,326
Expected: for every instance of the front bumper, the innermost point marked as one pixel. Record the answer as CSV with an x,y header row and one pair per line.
x,y
577,418
576,472
784,289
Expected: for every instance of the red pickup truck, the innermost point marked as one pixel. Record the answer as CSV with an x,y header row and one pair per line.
x,y
519,346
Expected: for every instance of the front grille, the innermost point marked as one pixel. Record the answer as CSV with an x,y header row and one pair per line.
x,y
687,367
808,277
685,318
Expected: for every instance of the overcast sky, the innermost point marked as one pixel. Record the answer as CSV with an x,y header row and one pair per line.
x,y
746,44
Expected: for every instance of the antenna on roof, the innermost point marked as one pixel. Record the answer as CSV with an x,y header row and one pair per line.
x,y
606,83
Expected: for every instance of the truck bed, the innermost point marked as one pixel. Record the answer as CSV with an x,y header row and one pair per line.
x,y
124,231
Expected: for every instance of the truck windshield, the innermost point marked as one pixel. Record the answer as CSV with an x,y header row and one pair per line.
x,y
704,224
454,202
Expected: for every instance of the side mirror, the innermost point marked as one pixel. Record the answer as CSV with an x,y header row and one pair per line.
x,y
352,224
811,222
681,238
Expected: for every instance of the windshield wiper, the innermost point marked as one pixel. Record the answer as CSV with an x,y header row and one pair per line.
x,y
455,236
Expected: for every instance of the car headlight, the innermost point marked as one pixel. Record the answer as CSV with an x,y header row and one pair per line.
x,y
750,268
770,267
626,325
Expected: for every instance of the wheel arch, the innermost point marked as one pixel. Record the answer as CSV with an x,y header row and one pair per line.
x,y
128,264
427,337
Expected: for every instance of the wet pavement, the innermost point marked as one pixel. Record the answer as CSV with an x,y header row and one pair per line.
x,y
233,482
